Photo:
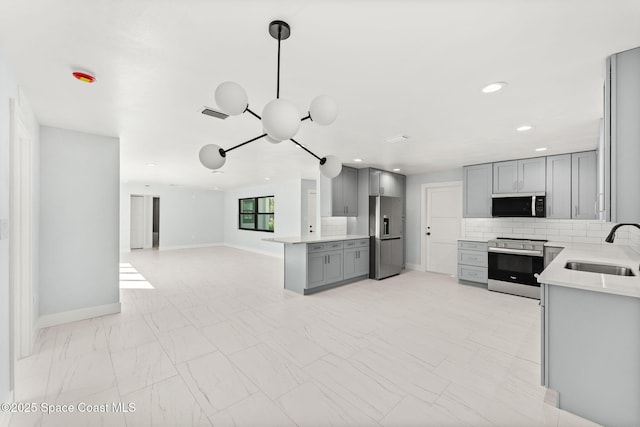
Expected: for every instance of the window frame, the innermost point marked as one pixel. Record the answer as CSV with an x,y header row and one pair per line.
x,y
256,213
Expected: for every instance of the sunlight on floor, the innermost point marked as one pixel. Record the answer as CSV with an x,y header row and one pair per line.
x,y
131,279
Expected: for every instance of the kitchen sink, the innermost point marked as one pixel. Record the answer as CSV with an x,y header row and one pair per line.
x,y
615,270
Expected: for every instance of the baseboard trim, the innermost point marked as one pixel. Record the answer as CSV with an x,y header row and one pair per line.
x,y
195,246
5,416
416,267
75,315
257,251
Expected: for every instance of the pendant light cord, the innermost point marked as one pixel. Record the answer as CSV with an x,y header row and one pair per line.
x,y
278,84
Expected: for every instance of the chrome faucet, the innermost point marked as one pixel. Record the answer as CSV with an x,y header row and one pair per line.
x,y
612,233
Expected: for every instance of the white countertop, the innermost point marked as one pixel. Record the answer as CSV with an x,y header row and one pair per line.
x,y
474,239
314,239
556,274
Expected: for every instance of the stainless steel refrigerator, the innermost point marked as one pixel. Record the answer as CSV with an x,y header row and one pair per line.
x,y
386,239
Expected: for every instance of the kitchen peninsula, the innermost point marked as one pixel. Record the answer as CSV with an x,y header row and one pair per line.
x,y
316,263
588,355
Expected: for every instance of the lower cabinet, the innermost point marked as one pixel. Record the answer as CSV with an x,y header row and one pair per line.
x,y
313,267
472,261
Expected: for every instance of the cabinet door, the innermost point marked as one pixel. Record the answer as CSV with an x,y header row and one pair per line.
x,y
350,263
505,177
350,191
584,185
333,267
362,262
387,184
316,275
374,182
531,175
559,186
337,195
477,191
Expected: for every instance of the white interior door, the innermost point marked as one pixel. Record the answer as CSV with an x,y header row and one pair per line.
x,y
137,222
311,212
443,224
21,234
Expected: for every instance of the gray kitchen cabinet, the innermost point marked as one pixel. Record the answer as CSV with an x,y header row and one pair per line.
x,y
362,262
316,274
622,133
559,186
531,175
519,176
356,262
505,177
472,261
477,181
383,183
584,185
339,196
333,267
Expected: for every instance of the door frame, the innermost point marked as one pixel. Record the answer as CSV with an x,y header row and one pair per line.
x,y
312,196
21,232
423,215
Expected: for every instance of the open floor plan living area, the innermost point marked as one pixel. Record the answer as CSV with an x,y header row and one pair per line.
x,y
319,213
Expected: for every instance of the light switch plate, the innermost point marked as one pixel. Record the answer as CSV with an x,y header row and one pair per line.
x,y
4,229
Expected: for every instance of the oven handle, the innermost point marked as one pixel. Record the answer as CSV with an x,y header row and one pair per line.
x,y
516,251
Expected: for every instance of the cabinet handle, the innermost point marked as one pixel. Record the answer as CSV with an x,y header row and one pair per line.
x,y
575,210
515,184
381,190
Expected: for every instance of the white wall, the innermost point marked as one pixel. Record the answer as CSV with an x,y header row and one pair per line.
x,y
414,188
79,187
287,218
8,90
189,217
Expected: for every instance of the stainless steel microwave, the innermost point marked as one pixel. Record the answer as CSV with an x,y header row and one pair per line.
x,y
531,205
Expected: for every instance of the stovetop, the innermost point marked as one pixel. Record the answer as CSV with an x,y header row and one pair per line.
x,y
514,243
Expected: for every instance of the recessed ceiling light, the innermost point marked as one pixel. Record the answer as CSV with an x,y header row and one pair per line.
x,y
217,172
494,87
524,128
396,170
267,179
357,160
151,165
397,138
541,149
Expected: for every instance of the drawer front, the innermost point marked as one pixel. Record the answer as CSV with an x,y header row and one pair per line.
x,y
316,247
333,245
362,243
472,246
472,274
477,258
349,244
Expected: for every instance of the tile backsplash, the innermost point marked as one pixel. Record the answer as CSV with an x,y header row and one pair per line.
x,y
333,226
561,230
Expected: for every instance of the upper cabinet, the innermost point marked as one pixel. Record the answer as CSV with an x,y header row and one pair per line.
x,y
584,185
477,191
559,186
622,133
383,183
339,196
519,176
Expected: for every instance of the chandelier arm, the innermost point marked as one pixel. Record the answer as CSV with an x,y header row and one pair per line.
x,y
307,117
248,110
305,149
245,143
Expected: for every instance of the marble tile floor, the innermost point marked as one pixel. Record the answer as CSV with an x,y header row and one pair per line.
x,y
219,342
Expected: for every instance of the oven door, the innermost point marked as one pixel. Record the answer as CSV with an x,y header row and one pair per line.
x,y
515,268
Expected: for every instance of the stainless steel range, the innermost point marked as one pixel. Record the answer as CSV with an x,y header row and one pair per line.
x,y
514,265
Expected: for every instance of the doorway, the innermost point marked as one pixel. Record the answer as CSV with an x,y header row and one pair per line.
x,y
310,226
144,222
156,223
21,262
441,226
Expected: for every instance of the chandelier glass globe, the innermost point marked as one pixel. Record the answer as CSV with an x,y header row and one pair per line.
x,y
231,98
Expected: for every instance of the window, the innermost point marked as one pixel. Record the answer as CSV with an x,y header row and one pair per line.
x,y
256,213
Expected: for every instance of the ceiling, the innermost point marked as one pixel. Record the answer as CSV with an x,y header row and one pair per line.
x,y
394,67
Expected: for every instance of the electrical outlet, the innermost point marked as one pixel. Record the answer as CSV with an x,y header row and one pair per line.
x,y
4,229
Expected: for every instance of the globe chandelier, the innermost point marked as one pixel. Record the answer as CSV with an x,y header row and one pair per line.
x,y
280,118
